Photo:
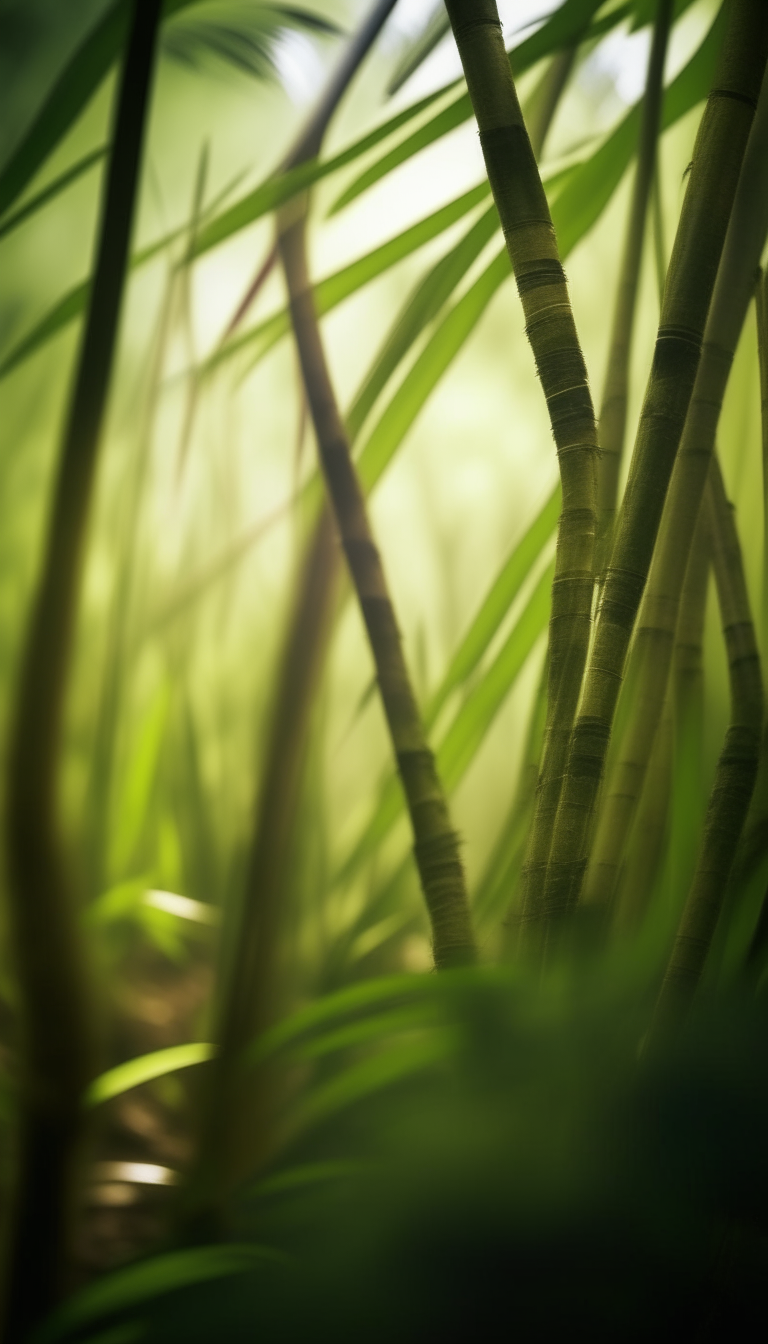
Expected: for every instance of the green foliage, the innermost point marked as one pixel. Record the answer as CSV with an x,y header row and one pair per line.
x,y
424,1150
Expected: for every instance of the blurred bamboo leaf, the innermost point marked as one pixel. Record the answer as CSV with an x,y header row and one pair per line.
x,y
339,286
126,1289
384,1069
143,1069
54,189
137,780
239,34
500,597
419,382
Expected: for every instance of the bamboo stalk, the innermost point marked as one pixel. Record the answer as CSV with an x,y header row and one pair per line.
x,y
736,768
761,304
435,842
718,155
652,652
646,847
541,283
644,691
57,1049
612,424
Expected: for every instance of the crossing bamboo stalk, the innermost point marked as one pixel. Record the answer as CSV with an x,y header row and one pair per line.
x,y
717,159
736,768
541,283
612,423
652,652
57,1049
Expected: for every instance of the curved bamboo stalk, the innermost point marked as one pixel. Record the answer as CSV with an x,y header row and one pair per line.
x,y
612,424
654,639
736,768
718,155
541,283
435,842
57,1048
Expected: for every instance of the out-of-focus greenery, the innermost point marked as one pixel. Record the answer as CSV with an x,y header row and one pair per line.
x,y
515,1128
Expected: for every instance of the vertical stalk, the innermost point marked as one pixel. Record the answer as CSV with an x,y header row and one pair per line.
x,y
736,768
651,657
541,284
56,1049
761,304
646,848
613,413
435,842
645,690
718,155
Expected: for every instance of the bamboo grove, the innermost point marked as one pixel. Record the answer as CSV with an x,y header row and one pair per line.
x,y
234,746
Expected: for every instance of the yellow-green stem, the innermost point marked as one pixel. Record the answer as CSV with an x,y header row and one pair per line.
x,y
717,159
736,768
613,412
541,283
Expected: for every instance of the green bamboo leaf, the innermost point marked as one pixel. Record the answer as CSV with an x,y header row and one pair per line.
x,y
126,1289
276,190
53,190
69,96
335,1007
339,286
309,1174
144,1068
374,1075
482,705
138,779
429,368
367,1029
74,303
502,594
426,301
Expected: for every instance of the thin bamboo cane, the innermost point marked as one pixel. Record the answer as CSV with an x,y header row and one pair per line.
x,y
654,639
541,283
718,155
56,1053
612,424
736,768
435,842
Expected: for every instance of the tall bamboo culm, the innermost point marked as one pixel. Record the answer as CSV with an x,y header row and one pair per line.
x,y
736,768
654,638
532,246
57,1052
612,424
717,158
